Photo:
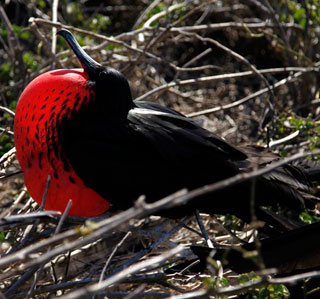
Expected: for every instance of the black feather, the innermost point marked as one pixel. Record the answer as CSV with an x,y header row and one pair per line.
x,y
124,149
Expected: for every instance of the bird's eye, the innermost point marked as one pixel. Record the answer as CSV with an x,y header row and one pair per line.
x,y
103,75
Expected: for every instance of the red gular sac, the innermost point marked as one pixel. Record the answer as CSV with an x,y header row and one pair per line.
x,y
42,111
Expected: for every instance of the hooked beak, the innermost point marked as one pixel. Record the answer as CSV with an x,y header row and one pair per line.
x,y
91,67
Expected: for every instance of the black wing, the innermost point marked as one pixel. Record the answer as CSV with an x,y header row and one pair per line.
x,y
152,152
156,151
179,137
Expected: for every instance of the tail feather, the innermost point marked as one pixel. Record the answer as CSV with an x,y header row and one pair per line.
x,y
290,185
295,250
311,168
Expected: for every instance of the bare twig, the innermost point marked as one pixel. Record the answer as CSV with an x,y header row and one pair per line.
x,y
55,5
203,230
7,158
234,290
44,197
290,137
238,57
247,98
9,211
152,5
161,239
226,77
209,27
112,255
163,13
5,109
95,288
40,268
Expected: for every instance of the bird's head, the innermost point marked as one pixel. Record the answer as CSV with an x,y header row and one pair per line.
x,y
109,83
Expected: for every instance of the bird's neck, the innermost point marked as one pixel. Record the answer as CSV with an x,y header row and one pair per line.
x,y
115,102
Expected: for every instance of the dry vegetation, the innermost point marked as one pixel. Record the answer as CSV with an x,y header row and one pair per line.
x,y
247,70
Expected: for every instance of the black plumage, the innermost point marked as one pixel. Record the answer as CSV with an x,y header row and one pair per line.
x,y
124,149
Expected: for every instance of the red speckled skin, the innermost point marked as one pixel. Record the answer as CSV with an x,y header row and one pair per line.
x,y
43,106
